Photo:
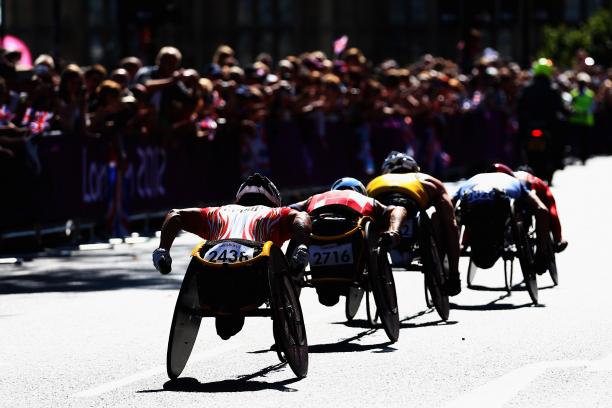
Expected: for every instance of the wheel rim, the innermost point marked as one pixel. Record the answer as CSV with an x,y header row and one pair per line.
x,y
185,326
290,331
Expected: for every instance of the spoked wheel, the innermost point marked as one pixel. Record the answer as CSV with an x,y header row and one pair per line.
x,y
472,268
288,320
353,300
185,325
435,271
381,279
526,259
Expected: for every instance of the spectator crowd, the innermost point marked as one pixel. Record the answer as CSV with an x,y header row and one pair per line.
x,y
304,120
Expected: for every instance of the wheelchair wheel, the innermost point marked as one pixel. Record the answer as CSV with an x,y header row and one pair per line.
x,y
526,259
552,265
435,277
381,280
435,270
288,320
472,269
185,325
353,301
371,310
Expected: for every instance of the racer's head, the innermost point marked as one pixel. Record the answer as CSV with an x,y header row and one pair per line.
x,y
501,168
349,183
542,67
398,162
525,168
258,190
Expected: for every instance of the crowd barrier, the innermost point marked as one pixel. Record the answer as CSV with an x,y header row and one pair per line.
x,y
108,181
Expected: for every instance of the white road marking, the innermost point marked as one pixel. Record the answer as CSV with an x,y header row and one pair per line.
x,y
496,393
113,385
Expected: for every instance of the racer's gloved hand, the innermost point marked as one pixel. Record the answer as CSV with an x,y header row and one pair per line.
x,y
388,240
162,261
452,286
300,258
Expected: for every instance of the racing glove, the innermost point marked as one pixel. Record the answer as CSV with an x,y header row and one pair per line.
x,y
300,258
388,240
162,261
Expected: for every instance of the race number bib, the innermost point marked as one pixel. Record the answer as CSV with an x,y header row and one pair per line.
x,y
229,252
407,229
332,254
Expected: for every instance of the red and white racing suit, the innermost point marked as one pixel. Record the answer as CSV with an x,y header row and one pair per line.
x,y
545,195
254,223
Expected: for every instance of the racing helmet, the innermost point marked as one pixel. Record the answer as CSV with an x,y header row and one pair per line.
x,y
542,66
502,168
349,183
398,162
258,190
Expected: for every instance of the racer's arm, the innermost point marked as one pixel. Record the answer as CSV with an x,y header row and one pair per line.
x,y
392,216
187,219
445,209
301,227
542,218
301,206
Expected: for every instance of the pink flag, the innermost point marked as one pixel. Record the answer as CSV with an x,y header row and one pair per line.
x,y
340,44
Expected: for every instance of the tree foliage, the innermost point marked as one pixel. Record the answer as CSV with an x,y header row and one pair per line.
x,y
595,36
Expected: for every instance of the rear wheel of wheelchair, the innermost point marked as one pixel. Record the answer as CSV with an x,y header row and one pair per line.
x,y
354,296
383,285
526,259
435,271
288,320
185,324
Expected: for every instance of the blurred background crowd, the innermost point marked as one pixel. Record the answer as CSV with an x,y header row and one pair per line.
x,y
306,118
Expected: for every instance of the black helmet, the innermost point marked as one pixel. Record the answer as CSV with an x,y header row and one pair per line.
x,y
258,190
398,162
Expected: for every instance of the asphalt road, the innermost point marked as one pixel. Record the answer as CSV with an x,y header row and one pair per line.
x,y
91,329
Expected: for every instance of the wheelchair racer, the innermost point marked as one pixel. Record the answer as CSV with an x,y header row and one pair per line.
x,y
349,195
526,175
493,190
257,215
401,174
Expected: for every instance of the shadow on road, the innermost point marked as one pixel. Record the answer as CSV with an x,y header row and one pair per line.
x,y
405,322
84,280
495,305
241,384
348,345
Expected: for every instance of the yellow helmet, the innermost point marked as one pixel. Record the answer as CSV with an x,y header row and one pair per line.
x,y
542,66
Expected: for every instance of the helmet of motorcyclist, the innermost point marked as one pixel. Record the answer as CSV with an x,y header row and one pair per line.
x,y
258,190
502,168
542,66
349,183
398,162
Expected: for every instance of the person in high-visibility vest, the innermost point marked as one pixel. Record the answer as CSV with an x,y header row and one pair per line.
x,y
582,117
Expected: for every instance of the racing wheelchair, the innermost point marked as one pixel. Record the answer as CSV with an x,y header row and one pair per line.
x,y
496,227
419,250
345,260
234,278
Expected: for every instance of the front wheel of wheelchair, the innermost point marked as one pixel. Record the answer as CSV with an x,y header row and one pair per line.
x,y
472,269
526,259
354,296
383,285
552,263
288,321
185,325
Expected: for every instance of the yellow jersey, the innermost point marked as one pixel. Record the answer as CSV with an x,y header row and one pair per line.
x,y
404,183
